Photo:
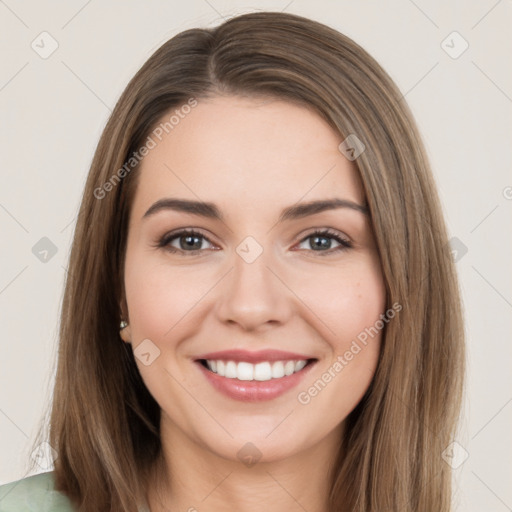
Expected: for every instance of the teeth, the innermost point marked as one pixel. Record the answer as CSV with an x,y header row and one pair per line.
x,y
289,367
299,365
277,370
260,371
230,370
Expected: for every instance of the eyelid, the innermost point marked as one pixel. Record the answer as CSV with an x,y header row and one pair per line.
x,y
324,230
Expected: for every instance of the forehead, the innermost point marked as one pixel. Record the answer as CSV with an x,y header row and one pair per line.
x,y
253,151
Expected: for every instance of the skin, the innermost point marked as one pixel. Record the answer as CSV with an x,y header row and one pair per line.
x,y
252,157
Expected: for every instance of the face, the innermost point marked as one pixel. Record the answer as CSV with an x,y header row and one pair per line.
x,y
257,272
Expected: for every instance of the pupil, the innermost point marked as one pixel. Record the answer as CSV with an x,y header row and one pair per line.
x,y
189,241
326,241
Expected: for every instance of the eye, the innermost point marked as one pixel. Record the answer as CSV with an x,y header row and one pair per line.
x,y
322,240
187,241
191,242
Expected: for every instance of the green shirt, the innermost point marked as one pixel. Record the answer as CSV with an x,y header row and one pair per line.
x,y
36,494
33,494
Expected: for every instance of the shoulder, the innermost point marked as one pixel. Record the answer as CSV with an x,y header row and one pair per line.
x,y
33,494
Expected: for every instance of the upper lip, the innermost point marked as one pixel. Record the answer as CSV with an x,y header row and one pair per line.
x,y
254,357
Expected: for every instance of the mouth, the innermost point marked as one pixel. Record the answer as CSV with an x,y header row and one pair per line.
x,y
254,382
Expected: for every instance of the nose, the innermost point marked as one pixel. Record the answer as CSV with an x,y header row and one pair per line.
x,y
253,296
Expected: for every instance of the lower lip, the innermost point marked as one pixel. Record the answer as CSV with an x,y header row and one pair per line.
x,y
253,390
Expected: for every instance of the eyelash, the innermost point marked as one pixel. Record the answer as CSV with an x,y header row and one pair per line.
x,y
164,242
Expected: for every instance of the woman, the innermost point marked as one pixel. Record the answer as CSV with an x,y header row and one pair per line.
x,y
261,308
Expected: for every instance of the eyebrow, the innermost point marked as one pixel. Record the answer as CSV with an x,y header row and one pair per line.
x,y
211,211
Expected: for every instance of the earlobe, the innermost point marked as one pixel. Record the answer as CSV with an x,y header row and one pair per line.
x,y
125,332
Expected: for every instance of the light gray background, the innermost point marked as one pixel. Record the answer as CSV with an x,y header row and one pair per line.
x,y
53,111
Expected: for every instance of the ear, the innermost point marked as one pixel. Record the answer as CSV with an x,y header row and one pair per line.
x,y
123,308
126,334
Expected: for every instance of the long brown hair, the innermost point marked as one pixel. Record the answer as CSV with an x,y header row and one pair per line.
x,y
104,424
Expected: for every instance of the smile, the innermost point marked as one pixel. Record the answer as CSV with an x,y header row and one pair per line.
x,y
248,382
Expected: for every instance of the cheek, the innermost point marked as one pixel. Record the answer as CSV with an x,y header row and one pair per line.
x,y
352,304
160,295
347,300
350,301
